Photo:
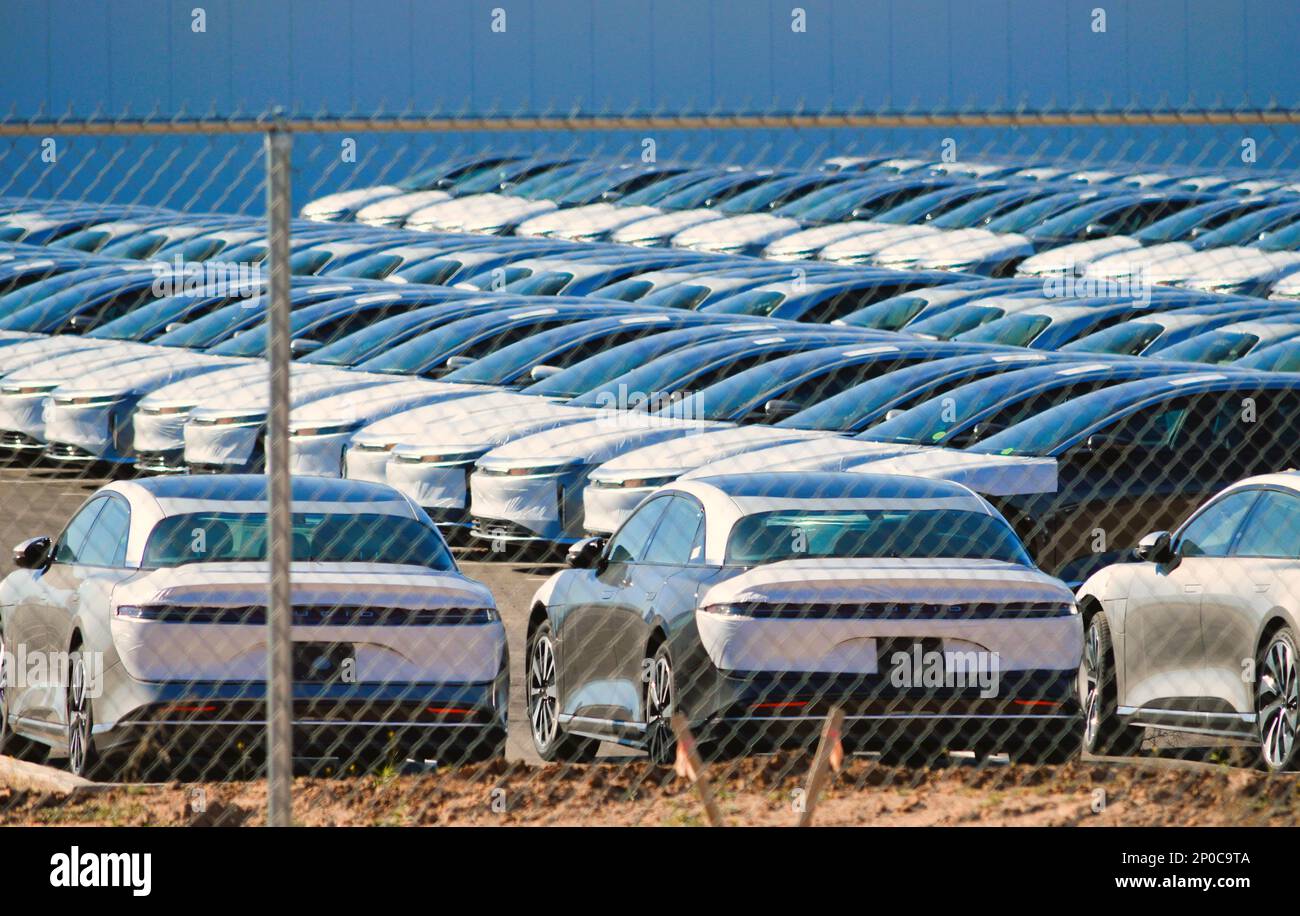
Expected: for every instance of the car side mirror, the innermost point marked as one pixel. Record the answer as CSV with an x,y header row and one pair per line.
x,y
1101,442
586,553
1095,231
171,326
541,372
301,346
1156,547
458,362
778,409
33,553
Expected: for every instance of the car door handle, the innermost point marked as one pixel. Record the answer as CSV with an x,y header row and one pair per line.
x,y
1261,587
650,595
1192,589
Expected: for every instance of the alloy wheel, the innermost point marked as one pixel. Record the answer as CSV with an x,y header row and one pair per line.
x,y
659,710
543,696
1091,677
79,724
1278,703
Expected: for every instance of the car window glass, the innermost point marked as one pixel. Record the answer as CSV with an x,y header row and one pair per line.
x,y
74,536
1273,528
629,544
105,545
1210,533
675,536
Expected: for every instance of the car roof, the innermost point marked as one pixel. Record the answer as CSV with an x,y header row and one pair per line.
x,y
253,488
830,485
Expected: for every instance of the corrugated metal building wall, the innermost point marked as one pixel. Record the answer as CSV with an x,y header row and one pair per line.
x,y
443,56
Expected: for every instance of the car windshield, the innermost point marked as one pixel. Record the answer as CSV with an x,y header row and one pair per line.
x,y
598,370
753,302
1215,347
932,204
1012,330
656,193
911,534
318,537
1283,357
1129,338
986,208
1024,217
954,321
1248,229
351,349
769,194
547,184
940,418
712,192
216,326
1187,225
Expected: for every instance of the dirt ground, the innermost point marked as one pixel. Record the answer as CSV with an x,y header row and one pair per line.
x,y
760,791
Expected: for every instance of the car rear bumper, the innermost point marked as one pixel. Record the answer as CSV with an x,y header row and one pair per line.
x,y
789,709
328,719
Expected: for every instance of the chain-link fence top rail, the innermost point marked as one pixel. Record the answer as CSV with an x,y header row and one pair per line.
x,y
763,447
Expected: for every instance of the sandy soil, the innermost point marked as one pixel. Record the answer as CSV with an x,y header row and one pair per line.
x,y
754,792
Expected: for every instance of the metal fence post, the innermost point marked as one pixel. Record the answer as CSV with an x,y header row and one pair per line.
x,y
279,694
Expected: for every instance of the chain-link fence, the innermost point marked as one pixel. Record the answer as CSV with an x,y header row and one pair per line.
x,y
559,465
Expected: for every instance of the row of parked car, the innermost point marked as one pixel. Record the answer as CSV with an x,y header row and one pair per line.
x,y
1205,231
555,387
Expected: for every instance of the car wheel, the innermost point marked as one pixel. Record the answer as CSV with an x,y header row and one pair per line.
x,y
549,737
1277,696
81,744
660,700
1104,732
13,745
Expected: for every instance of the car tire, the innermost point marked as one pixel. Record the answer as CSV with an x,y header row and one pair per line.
x,y
11,744
1277,698
80,719
542,698
1105,734
660,704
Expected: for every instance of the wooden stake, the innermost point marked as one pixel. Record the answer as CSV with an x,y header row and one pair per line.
x,y
690,766
829,755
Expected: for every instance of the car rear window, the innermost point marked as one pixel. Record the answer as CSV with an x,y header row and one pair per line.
x,y
921,533
319,537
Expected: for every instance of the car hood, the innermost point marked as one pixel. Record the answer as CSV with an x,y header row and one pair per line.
x,y
72,364
1222,265
991,475
307,386
596,440
679,455
484,209
226,386
1076,255
244,584
24,353
736,231
957,247
829,454
589,220
346,201
1135,260
470,433
369,403
665,224
399,426
888,580
935,242
144,374
400,206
